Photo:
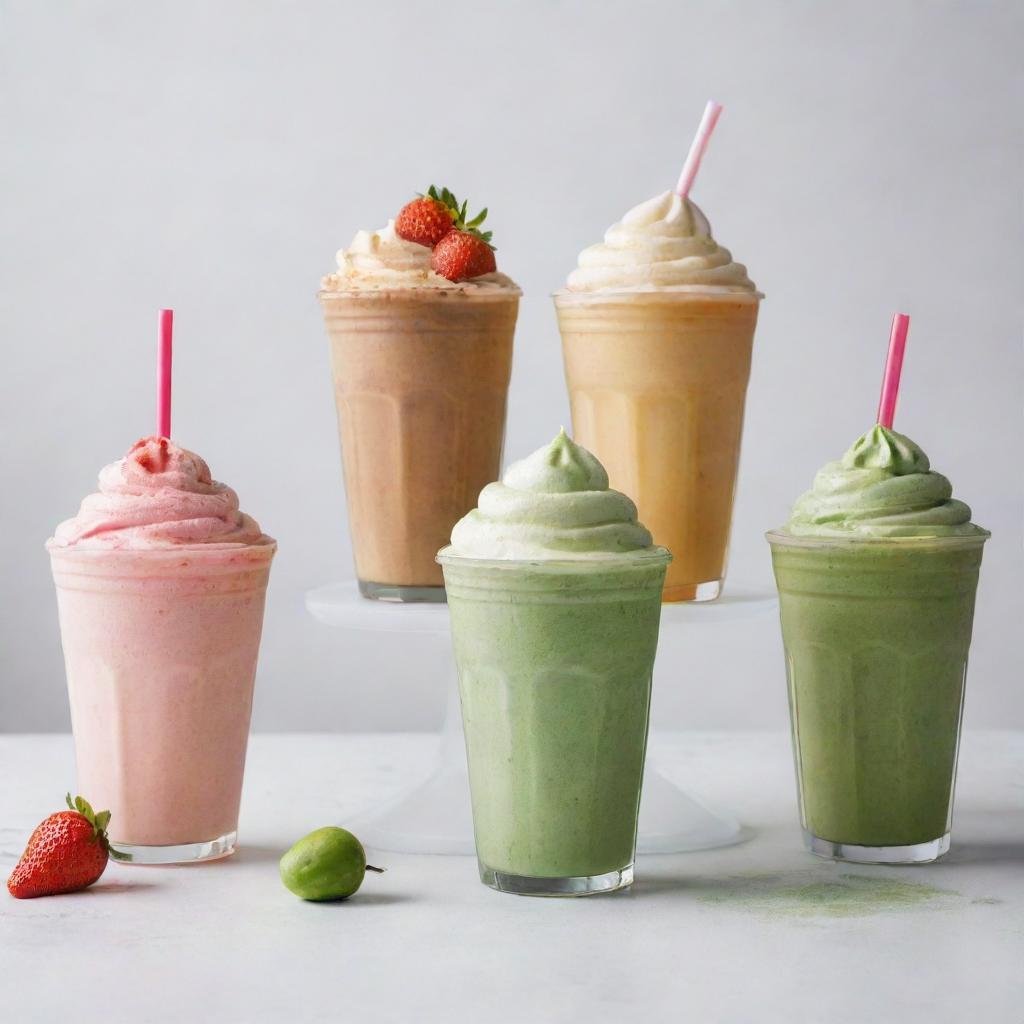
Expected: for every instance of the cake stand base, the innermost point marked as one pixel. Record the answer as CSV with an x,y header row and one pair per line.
x,y
434,814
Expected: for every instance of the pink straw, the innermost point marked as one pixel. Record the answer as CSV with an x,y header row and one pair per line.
x,y
700,143
163,374
893,368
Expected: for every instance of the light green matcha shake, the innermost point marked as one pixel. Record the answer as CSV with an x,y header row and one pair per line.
x,y
555,597
877,571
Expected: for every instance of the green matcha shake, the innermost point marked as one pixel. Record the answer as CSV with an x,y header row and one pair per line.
x,y
877,571
555,597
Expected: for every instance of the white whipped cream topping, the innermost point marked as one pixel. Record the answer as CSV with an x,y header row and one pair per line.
x,y
664,243
553,505
378,260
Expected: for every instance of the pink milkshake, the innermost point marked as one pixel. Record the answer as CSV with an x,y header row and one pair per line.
x,y
160,587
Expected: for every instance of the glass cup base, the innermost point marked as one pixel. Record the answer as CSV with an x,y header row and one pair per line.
x,y
706,591
402,594
919,853
581,885
180,853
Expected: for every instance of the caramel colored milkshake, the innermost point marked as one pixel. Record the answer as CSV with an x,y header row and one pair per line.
x,y
421,368
657,327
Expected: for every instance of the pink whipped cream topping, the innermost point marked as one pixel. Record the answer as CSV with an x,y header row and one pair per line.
x,y
159,496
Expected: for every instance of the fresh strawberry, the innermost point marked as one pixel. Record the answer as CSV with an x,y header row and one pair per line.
x,y
428,219
463,254
66,852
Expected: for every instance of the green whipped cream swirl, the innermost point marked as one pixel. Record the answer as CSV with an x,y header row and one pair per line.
x,y
553,505
882,487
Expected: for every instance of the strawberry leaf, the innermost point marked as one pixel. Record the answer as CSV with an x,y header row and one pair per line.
x,y
459,212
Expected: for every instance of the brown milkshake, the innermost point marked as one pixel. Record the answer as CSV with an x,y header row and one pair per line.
x,y
657,327
421,368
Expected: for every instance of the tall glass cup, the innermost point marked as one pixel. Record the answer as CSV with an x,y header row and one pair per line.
x,y
657,383
160,647
555,662
876,635
420,381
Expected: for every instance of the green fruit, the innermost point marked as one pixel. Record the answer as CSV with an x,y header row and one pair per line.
x,y
328,864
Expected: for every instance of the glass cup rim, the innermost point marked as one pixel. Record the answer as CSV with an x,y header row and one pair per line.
x,y
781,537
230,556
495,294
643,559
684,293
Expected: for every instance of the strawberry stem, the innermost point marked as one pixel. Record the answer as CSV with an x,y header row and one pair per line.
x,y
99,821
458,213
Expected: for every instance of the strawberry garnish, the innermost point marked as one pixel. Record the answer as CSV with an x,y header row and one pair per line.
x,y
428,218
461,255
432,218
151,454
66,852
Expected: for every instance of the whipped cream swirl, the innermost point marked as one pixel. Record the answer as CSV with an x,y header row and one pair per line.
x,y
553,505
662,244
159,496
378,260
882,487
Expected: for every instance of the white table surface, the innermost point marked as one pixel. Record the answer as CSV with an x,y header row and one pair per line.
x,y
760,932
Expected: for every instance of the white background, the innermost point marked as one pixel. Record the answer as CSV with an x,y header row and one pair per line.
x,y
213,156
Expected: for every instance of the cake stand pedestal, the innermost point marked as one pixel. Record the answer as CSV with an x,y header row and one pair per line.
x,y
434,815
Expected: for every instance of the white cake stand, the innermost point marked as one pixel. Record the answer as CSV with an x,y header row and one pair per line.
x,y
434,815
